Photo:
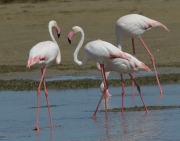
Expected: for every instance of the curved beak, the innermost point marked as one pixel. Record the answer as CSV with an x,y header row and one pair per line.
x,y
70,36
58,31
69,40
59,35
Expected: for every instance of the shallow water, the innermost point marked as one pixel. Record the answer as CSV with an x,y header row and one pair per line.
x,y
72,116
95,74
113,75
52,74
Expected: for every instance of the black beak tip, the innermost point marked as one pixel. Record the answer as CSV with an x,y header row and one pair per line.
x,y
59,35
69,41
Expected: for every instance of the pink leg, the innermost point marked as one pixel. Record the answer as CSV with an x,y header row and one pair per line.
x,y
122,83
138,88
38,99
152,59
46,94
133,74
103,94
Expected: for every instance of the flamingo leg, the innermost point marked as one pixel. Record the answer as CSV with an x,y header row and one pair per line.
x,y
122,84
133,74
138,88
103,94
134,53
46,94
38,99
152,60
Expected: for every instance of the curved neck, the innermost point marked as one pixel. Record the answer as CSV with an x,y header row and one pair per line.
x,y
119,39
119,46
119,42
78,48
51,35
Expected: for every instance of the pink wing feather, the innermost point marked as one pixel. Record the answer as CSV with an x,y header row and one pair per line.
x,y
31,60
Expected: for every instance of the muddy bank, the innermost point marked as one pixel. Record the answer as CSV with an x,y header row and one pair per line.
x,y
62,66
141,108
70,66
20,85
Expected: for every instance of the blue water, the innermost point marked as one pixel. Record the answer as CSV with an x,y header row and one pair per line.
x,y
72,116
113,75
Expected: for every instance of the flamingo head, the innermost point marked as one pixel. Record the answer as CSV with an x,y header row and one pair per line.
x,y
54,24
73,31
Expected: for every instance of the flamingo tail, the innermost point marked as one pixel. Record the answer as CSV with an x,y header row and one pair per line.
x,y
32,60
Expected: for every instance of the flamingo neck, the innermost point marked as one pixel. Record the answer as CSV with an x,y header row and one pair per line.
x,y
119,42
58,58
119,46
118,38
51,35
78,48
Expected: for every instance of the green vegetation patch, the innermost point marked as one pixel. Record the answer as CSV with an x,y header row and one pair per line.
x,y
136,108
20,85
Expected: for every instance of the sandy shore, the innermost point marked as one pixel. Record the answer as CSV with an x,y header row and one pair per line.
x,y
25,24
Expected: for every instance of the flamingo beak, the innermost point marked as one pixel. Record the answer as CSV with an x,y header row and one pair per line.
x,y
69,40
58,31
70,36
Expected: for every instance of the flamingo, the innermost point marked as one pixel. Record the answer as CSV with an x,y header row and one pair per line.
x,y
133,26
98,51
43,54
123,66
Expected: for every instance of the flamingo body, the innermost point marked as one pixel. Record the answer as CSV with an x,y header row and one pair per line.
x,y
134,25
44,53
100,51
123,66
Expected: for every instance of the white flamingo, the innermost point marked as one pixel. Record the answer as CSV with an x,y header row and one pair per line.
x,y
123,66
98,51
133,26
43,54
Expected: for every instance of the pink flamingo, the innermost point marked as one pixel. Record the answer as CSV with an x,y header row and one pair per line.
x,y
123,66
133,26
43,54
98,51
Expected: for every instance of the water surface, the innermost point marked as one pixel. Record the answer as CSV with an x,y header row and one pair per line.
x,y
72,116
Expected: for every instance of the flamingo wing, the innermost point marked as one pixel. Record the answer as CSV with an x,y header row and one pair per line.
x,y
99,50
